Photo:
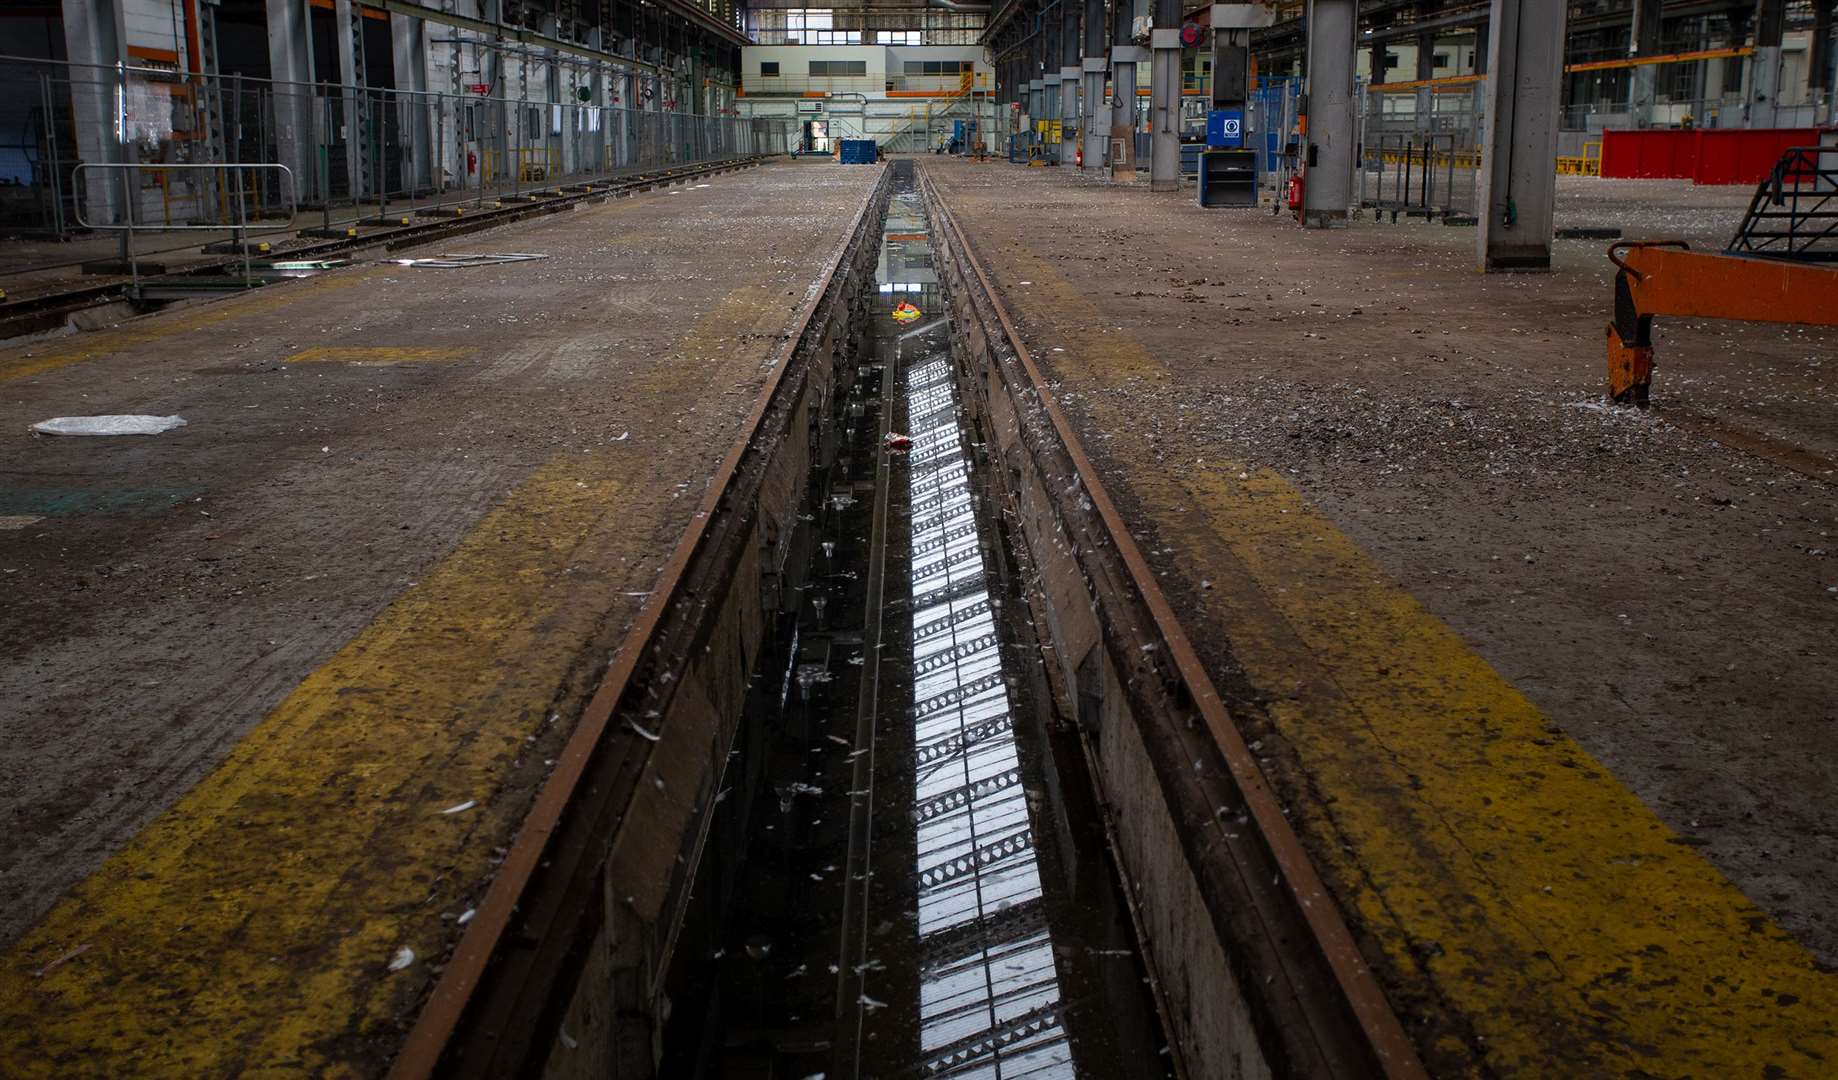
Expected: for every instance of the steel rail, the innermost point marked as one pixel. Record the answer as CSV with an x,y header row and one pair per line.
x,y
27,313
486,936
1379,1028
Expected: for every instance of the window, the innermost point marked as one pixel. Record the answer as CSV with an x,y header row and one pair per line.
x,y
1440,59
938,67
901,37
839,67
768,67
832,37
799,22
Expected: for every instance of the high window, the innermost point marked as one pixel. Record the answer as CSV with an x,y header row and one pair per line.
x,y
938,67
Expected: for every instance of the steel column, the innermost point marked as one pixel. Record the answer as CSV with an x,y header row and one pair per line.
x,y
1092,118
408,42
1070,49
1329,151
94,33
1165,98
1645,39
1125,54
1518,183
1765,70
1819,59
1426,69
350,37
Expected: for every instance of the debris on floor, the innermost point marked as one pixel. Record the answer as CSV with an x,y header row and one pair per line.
x,y
459,262
108,425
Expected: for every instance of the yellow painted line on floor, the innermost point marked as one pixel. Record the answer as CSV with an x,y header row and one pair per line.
x,y
1502,869
251,925
377,355
752,312
38,358
1574,931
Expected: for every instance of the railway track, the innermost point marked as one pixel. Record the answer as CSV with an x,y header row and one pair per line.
x,y
575,939
50,311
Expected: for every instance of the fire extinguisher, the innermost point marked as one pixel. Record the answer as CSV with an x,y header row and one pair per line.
x,y
472,162
1295,194
1078,157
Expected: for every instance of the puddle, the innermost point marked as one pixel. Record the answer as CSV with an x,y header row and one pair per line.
x,y
920,886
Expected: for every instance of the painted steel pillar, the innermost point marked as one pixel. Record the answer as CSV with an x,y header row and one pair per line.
x,y
1642,89
1165,98
597,88
408,47
1093,118
351,76
1819,58
1070,50
1518,182
95,33
1765,68
1050,33
1426,70
1329,152
1482,35
290,59
1820,52
1125,54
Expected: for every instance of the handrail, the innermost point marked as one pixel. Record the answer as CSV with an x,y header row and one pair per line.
x,y
293,207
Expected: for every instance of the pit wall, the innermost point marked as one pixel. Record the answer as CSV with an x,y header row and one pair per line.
x,y
696,678
1243,986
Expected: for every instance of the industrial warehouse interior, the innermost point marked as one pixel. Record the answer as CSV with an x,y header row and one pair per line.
x,y
1014,539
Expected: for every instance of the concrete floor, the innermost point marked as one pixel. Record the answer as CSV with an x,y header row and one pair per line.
x,y
1349,443
408,519
249,663
36,265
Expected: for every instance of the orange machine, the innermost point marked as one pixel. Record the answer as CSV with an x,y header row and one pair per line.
x,y
1781,267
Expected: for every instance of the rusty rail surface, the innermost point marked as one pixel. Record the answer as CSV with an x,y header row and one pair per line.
x,y
1315,1006
500,999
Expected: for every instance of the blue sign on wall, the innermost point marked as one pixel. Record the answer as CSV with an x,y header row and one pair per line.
x,y
1225,129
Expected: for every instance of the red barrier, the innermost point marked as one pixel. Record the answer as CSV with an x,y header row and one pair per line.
x,y
1649,155
1716,156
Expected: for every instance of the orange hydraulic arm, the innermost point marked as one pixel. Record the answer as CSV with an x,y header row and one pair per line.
x,y
1667,278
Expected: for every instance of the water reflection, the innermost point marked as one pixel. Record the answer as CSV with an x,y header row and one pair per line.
x,y
989,992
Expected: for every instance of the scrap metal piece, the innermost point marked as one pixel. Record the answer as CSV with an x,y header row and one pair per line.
x,y
458,262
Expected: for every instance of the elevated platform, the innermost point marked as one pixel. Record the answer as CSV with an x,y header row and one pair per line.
x,y
282,683
1542,684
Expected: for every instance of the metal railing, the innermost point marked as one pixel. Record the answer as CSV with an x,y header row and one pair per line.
x,y
755,85
240,226
1794,212
1415,176
365,149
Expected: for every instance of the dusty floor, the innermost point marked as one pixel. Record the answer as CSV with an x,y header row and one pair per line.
x,y
166,594
1668,601
37,265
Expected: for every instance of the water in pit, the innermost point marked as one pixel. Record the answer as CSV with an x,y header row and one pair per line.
x,y
919,885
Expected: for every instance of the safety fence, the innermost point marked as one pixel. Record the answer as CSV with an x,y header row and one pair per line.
x,y
1420,150
397,151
